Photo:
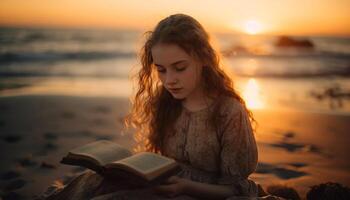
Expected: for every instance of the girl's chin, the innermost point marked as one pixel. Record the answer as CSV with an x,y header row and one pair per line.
x,y
178,96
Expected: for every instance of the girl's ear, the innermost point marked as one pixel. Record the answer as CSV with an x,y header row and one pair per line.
x,y
205,66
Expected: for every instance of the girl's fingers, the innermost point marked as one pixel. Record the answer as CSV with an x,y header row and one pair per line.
x,y
163,189
172,179
170,187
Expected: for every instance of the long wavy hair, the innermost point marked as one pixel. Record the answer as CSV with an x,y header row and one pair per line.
x,y
154,110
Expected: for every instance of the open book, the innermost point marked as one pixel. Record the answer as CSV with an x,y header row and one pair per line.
x,y
112,160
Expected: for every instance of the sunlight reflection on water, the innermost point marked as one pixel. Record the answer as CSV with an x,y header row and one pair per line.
x,y
252,95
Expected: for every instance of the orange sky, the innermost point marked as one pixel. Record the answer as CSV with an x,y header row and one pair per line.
x,y
320,17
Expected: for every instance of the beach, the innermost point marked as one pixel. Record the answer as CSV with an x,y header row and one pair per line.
x,y
37,131
62,88
296,149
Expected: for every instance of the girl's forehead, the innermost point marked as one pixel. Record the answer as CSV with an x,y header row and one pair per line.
x,y
168,53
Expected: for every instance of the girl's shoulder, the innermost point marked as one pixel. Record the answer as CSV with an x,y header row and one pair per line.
x,y
230,105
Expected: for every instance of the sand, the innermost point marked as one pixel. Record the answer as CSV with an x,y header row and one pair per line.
x,y
298,149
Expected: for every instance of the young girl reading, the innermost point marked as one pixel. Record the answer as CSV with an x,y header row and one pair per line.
x,y
187,109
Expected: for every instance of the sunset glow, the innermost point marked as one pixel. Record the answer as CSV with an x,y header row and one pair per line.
x,y
252,27
252,96
257,17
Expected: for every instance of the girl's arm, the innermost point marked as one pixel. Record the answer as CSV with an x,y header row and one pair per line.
x,y
210,191
177,186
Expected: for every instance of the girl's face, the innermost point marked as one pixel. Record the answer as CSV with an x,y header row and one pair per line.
x,y
179,72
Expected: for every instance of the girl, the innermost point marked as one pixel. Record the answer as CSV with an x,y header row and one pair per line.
x,y
185,108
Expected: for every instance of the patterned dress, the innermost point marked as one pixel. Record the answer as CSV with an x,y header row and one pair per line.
x,y
225,156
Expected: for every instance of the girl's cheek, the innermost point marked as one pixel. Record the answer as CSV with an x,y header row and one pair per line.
x,y
161,78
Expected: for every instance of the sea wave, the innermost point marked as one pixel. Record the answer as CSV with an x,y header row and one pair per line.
x,y
286,55
335,73
9,36
13,57
345,72
19,74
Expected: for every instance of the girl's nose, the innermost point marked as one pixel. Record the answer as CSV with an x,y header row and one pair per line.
x,y
171,79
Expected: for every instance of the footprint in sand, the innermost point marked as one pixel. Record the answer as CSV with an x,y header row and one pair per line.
x,y
281,172
104,137
2,123
300,147
85,133
297,164
4,107
12,196
289,146
293,146
102,109
264,168
285,173
15,184
50,136
47,165
27,161
78,134
289,135
13,138
11,174
48,147
68,115
100,122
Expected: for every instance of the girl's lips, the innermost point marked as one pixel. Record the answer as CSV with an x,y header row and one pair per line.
x,y
175,90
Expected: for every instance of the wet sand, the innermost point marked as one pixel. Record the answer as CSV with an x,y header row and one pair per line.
x,y
297,149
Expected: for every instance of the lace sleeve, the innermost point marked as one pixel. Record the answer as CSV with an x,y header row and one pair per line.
x,y
239,155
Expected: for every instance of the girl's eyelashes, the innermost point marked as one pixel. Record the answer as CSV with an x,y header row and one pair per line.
x,y
180,69
161,70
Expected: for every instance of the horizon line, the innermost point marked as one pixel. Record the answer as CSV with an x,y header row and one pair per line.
x,y
140,29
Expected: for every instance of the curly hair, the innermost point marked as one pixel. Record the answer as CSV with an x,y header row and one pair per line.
x,y
154,110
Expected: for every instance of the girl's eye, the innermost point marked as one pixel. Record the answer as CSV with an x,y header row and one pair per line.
x,y
180,69
161,70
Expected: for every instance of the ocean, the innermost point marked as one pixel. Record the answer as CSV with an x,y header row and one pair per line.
x,y
85,62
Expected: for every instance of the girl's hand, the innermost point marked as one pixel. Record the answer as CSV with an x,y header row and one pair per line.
x,y
173,186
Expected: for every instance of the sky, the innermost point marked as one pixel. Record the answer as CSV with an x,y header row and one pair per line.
x,y
294,17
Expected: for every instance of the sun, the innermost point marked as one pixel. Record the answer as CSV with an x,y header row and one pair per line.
x,y
252,27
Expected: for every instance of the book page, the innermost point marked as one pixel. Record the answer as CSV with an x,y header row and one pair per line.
x,y
146,162
103,151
